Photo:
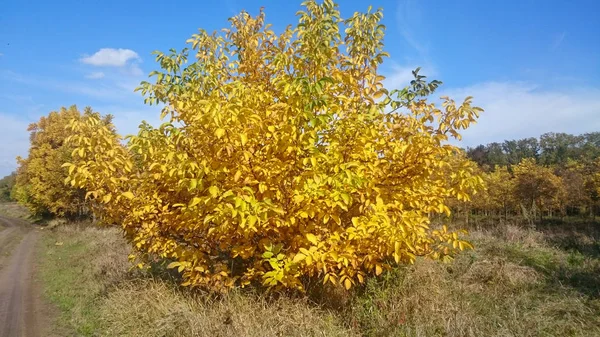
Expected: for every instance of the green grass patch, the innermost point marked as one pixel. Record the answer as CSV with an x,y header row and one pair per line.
x,y
71,263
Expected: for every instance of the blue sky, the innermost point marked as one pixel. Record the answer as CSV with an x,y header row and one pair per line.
x,y
534,66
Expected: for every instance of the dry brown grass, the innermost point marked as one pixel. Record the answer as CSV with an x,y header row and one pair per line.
x,y
509,286
92,281
13,210
153,308
514,284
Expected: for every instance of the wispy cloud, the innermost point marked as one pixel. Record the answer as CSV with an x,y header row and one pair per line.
x,y
558,40
111,90
111,57
516,110
95,75
409,15
114,95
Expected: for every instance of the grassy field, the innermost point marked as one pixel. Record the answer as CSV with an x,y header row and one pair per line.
x,y
518,282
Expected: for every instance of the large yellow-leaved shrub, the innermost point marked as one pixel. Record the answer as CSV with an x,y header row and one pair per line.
x,y
283,157
40,179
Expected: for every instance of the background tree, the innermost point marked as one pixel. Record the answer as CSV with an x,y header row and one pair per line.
x,y
500,187
537,188
6,185
40,180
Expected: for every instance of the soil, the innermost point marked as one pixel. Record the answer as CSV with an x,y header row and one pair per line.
x,y
19,297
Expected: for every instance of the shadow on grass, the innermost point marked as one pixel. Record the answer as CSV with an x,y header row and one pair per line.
x,y
581,235
571,269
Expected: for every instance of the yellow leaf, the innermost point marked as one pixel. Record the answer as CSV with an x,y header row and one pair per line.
x,y
309,260
311,238
214,191
195,201
252,220
299,257
378,270
219,133
128,195
347,284
361,279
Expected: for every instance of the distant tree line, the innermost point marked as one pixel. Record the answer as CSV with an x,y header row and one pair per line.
x,y
529,179
550,149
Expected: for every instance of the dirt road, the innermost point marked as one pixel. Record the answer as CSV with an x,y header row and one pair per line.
x,y
18,300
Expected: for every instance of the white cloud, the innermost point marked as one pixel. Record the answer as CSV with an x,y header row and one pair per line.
x,y
133,70
516,110
128,119
100,91
95,75
115,95
111,57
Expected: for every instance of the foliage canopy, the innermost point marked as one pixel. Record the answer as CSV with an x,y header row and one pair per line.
x,y
40,177
283,157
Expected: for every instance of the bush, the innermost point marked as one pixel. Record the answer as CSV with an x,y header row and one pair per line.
x,y
40,178
283,157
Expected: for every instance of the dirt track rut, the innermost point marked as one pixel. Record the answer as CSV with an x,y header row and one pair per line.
x,y
18,307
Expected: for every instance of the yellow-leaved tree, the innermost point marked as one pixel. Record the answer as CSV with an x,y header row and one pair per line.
x,y
40,181
537,189
499,196
283,157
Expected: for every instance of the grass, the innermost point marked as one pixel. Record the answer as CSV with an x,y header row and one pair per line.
x,y
88,277
513,284
517,282
13,210
77,266
12,239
